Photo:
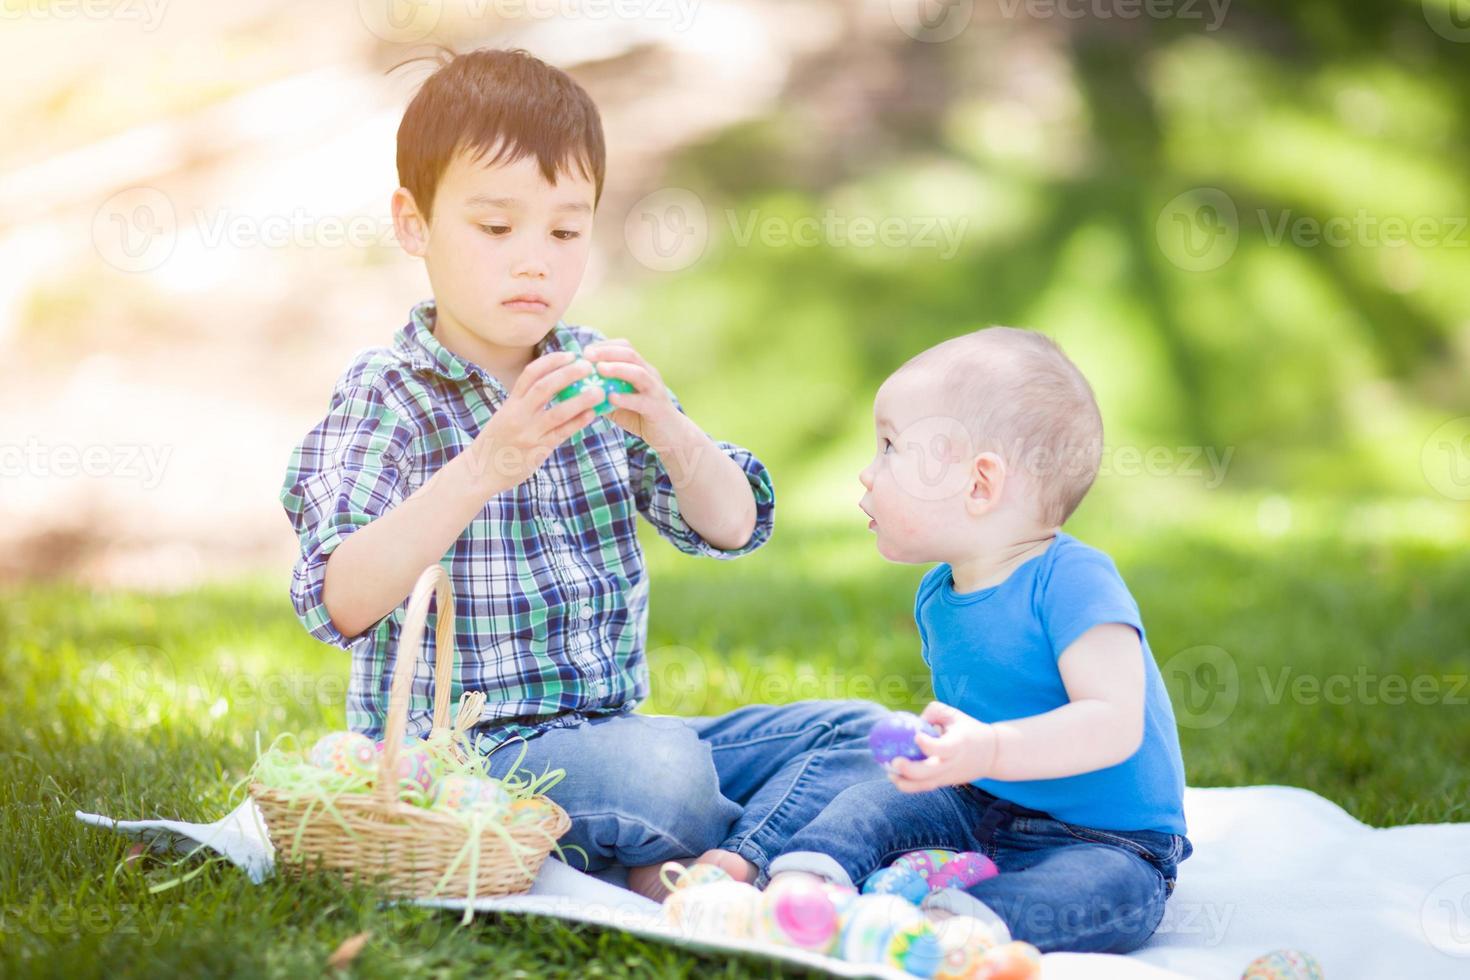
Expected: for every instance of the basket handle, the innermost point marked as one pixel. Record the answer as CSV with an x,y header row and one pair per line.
x,y
432,584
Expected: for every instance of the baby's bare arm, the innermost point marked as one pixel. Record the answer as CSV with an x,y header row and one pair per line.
x,y
1100,726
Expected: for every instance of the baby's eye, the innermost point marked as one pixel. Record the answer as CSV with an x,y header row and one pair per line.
x,y
887,445
566,235
495,229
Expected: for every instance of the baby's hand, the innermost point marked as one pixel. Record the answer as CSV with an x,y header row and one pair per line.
x,y
963,752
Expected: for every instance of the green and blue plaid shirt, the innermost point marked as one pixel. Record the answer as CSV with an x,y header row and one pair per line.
x,y
551,592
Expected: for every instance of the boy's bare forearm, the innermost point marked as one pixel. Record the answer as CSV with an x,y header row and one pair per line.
x,y
715,498
374,568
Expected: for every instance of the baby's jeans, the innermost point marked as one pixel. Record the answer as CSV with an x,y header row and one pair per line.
x,y
1061,887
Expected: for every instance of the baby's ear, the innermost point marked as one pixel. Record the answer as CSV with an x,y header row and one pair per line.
x,y
987,481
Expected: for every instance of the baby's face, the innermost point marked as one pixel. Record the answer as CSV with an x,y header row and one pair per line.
x,y
920,474
506,249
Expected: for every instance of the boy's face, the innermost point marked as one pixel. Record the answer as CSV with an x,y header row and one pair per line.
x,y
505,249
920,475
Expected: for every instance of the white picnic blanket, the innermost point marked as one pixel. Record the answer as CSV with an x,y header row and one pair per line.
x,y
1273,867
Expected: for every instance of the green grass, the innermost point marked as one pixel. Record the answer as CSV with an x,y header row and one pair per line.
x,y
136,705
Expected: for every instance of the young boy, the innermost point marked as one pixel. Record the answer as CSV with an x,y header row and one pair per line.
x,y
442,448
1057,755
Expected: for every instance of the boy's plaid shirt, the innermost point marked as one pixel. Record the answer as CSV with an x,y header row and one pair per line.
x,y
551,593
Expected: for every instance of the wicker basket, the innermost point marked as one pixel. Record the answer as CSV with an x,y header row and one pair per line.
x,y
406,849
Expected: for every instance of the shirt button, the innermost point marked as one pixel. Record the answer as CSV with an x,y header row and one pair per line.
x,y
585,612
557,528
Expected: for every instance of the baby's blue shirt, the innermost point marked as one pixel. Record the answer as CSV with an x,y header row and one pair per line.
x,y
994,656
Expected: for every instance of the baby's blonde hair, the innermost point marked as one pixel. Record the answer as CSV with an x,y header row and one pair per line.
x,y
1018,395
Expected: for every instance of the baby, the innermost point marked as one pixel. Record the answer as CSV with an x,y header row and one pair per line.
x,y
1057,754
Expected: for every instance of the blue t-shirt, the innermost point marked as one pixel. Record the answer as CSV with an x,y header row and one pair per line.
x,y
994,653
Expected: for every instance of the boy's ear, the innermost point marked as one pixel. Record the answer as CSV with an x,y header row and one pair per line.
x,y
987,481
411,227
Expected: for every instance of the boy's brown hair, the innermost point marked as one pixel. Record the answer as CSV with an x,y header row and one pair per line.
x,y
508,103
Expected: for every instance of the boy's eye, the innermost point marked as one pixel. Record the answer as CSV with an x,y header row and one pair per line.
x,y
495,229
887,445
566,235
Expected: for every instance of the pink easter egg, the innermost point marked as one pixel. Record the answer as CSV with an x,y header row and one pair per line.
x,y
966,870
797,912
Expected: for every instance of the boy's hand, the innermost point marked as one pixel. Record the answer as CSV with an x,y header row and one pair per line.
x,y
523,431
649,413
963,752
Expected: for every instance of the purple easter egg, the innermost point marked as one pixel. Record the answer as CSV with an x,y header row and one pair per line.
x,y
966,869
893,737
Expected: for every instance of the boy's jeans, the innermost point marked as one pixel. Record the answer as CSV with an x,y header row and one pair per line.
x,y
642,789
1061,887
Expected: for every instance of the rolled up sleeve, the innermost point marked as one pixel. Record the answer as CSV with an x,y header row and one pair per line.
x,y
345,474
653,492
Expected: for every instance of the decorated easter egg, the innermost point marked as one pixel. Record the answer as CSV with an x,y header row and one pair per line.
x,y
869,925
964,941
967,869
893,737
681,876
925,862
842,898
345,753
596,382
914,947
418,769
1283,964
727,908
463,793
1010,961
534,809
798,912
897,879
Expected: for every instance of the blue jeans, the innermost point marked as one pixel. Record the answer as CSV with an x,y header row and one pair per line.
x,y
1061,887
642,789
